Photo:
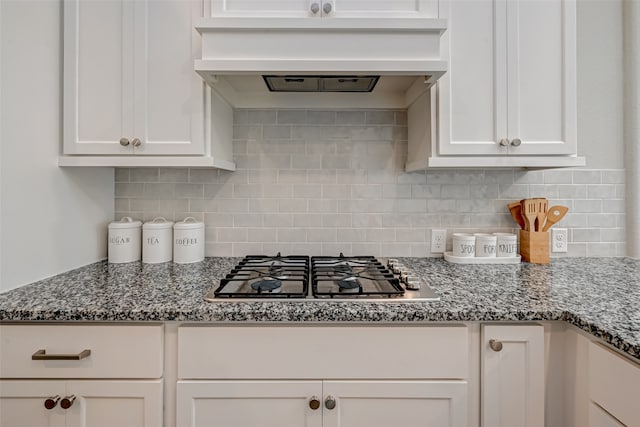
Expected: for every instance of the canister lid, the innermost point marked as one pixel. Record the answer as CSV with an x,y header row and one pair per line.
x,y
188,223
125,222
158,223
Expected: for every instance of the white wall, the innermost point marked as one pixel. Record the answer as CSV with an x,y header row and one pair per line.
x,y
600,83
51,219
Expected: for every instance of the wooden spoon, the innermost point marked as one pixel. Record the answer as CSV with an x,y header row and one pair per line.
x,y
530,212
555,214
516,212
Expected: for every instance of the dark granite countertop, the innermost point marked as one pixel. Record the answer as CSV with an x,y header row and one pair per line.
x,y
598,295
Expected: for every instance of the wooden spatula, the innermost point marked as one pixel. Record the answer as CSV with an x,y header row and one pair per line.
x,y
555,214
530,212
543,204
516,213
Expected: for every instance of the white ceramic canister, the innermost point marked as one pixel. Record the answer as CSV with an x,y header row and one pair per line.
x,y
485,245
506,245
124,240
464,245
188,241
157,241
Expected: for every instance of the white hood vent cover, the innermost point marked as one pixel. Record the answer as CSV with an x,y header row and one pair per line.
x,y
328,62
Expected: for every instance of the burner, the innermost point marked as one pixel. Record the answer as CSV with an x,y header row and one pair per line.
x,y
269,286
350,285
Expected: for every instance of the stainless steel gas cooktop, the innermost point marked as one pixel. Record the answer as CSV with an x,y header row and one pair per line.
x,y
339,278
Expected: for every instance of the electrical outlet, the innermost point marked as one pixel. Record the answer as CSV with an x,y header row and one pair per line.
x,y
438,241
559,239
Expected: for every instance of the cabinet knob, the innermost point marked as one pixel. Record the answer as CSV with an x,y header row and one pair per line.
x,y
51,402
330,402
67,402
315,8
314,403
136,142
327,7
516,142
124,142
495,345
504,142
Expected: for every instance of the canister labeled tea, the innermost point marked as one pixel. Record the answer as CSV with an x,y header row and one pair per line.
x,y
188,241
157,241
124,241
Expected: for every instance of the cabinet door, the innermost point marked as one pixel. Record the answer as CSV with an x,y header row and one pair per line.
x,y
169,95
395,403
22,403
541,52
98,76
115,403
383,8
598,417
261,8
513,376
472,95
248,403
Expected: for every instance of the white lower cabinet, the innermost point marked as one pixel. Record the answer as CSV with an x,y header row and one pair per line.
x,y
326,376
513,383
613,389
98,403
81,376
322,403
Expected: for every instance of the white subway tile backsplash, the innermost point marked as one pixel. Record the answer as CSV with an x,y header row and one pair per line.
x,y
322,182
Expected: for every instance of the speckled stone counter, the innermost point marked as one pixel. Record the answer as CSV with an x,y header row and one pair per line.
x,y
598,295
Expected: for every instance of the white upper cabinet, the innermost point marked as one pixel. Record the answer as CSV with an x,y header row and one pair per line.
x,y
325,8
509,96
129,85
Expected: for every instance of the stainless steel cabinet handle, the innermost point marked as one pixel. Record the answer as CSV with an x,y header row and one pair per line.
x,y
504,142
315,8
495,345
51,402
330,402
516,142
42,355
124,142
327,7
314,403
136,142
67,402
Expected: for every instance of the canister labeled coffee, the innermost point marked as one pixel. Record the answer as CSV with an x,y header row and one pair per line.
x,y
188,241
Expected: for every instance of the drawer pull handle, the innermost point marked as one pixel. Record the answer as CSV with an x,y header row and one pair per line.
x,y
42,355
67,402
51,402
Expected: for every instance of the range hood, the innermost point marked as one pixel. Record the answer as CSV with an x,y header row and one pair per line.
x,y
323,63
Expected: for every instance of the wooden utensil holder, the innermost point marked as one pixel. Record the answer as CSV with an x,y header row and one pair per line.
x,y
534,246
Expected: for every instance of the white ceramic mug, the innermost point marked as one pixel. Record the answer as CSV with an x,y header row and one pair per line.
x,y
464,245
485,245
124,241
507,244
157,241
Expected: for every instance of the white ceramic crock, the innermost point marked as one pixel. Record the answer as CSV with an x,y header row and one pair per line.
x,y
124,241
464,245
188,241
506,245
485,245
157,241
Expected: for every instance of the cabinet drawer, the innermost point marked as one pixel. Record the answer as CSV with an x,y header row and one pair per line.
x,y
613,384
323,352
116,351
